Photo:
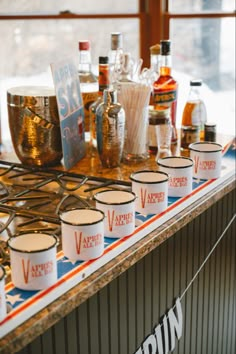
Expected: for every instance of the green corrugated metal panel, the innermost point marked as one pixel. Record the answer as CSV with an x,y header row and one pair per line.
x,y
119,317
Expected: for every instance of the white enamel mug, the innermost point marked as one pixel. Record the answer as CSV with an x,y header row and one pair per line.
x,y
151,189
33,260
207,158
3,305
82,233
180,171
119,210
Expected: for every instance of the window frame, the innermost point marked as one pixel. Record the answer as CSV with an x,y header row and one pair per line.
x,y
153,15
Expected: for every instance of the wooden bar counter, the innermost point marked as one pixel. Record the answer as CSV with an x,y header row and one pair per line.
x,y
118,305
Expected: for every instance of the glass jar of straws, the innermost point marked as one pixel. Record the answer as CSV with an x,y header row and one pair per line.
x,y
134,97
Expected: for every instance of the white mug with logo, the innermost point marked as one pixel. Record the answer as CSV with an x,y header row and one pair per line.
x,y
3,305
82,231
151,189
180,171
119,209
207,158
33,260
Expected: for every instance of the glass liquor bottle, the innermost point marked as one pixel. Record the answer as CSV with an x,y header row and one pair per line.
x,y
103,81
110,126
155,58
193,118
88,81
124,76
115,52
165,88
155,62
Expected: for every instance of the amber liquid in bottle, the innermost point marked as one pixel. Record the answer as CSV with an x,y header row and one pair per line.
x,y
104,81
193,118
165,88
88,81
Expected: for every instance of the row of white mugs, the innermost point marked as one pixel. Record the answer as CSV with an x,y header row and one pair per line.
x,y
33,255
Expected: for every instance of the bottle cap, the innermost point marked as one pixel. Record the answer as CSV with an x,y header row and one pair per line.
x,y
165,47
116,40
210,125
103,60
155,49
196,82
84,45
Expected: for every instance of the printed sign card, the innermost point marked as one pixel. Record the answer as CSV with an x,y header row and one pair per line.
x,y
71,111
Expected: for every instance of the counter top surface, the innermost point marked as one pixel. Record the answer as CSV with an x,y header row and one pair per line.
x,y
150,234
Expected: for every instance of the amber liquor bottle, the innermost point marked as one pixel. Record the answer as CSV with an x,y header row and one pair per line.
x,y
165,88
88,81
103,82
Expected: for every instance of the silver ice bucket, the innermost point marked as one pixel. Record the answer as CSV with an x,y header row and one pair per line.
x,y
34,125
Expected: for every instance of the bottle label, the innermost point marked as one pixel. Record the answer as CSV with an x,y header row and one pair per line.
x,y
165,97
103,79
88,99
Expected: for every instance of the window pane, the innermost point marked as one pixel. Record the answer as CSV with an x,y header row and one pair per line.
x,y
28,48
77,6
201,5
208,52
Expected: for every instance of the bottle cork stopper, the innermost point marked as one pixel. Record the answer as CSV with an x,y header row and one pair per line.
x,y
155,49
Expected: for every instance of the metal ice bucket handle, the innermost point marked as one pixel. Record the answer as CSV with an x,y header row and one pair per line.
x,y
44,123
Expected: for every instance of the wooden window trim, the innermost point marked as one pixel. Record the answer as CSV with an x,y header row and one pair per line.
x,y
153,15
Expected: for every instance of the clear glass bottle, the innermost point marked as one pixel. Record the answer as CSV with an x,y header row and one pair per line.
x,y
194,117
115,52
165,88
155,58
155,63
124,76
88,81
110,126
103,81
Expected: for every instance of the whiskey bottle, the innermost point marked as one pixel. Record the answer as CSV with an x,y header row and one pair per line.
x,y
165,88
103,82
88,82
193,118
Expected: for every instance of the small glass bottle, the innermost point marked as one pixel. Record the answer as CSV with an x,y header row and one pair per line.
x,y
165,88
110,126
103,81
194,117
88,82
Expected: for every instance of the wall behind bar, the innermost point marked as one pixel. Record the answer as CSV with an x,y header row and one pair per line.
x,y
119,317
